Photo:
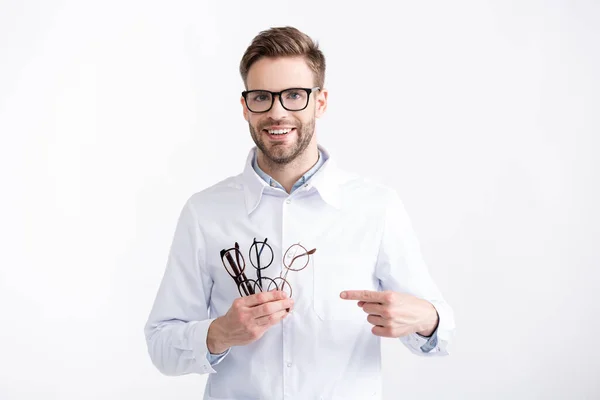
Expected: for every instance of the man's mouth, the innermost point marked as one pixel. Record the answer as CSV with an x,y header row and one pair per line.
x,y
278,132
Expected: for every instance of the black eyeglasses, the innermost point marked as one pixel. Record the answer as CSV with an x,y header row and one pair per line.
x,y
293,99
296,258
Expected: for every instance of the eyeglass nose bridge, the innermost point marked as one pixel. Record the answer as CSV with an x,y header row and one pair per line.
x,y
273,95
278,94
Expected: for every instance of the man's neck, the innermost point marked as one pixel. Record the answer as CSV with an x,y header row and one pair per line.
x,y
288,174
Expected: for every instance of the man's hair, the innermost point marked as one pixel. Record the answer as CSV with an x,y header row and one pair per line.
x,y
284,42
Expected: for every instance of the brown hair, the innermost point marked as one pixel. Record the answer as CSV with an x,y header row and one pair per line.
x,y
284,42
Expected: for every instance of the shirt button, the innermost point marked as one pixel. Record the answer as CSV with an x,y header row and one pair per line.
x,y
273,184
288,201
289,365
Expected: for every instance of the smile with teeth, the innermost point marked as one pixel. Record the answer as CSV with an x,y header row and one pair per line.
x,y
279,131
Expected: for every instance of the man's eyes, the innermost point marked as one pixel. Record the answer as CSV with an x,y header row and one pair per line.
x,y
294,95
261,97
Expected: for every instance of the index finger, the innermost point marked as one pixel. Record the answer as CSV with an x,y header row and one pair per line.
x,y
363,295
264,297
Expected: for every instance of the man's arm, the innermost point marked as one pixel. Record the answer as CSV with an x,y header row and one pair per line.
x,y
401,269
178,323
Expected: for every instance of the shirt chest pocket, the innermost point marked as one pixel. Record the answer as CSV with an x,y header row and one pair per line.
x,y
332,275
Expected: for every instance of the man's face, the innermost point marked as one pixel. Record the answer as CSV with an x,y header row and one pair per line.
x,y
277,74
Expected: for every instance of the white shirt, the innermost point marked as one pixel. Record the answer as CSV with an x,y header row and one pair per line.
x,y
325,348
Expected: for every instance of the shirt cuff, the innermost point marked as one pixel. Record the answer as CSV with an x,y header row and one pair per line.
x,y
424,346
199,347
437,343
214,359
427,343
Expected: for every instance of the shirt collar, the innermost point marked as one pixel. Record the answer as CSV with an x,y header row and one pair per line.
x,y
326,179
302,180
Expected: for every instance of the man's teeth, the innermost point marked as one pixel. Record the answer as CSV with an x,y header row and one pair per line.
x,y
278,131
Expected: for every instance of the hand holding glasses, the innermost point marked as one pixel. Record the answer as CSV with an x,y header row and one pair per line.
x,y
251,315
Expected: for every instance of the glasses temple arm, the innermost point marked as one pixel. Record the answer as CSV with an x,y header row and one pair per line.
x,y
240,278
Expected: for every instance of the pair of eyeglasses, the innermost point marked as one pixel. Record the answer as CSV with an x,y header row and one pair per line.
x,y
293,99
296,258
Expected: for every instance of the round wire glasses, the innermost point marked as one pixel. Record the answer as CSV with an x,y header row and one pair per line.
x,y
296,258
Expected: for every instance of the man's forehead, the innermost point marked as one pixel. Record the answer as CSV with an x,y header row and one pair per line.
x,y
276,74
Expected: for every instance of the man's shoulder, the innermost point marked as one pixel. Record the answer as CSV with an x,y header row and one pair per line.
x,y
357,185
218,191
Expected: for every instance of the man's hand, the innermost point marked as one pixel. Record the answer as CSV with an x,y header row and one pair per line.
x,y
247,320
395,314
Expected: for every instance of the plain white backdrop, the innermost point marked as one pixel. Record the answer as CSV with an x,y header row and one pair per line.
x,y
484,115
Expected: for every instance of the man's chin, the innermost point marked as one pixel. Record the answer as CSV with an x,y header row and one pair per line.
x,y
280,157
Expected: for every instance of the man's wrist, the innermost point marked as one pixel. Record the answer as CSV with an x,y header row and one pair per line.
x,y
214,339
432,323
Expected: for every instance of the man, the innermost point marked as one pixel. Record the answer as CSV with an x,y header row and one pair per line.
x,y
282,280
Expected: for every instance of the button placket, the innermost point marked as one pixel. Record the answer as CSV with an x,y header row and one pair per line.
x,y
285,331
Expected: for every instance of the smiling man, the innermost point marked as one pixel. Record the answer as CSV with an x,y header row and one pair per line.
x,y
276,106
244,300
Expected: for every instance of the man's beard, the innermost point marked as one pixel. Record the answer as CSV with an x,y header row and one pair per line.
x,y
280,153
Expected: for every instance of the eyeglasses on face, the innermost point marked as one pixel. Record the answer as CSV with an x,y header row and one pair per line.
x,y
292,99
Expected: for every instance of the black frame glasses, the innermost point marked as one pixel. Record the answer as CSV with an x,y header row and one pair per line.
x,y
308,91
295,258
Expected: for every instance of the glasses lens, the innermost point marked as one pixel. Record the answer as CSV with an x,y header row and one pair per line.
x,y
294,99
245,287
281,284
233,262
258,101
296,258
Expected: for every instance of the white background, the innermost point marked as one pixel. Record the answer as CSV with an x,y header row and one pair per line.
x,y
483,115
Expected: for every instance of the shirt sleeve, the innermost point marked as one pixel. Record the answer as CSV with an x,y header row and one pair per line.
x,y
401,268
178,323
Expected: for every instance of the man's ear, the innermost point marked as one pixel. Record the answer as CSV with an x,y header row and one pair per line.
x,y
321,103
244,108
